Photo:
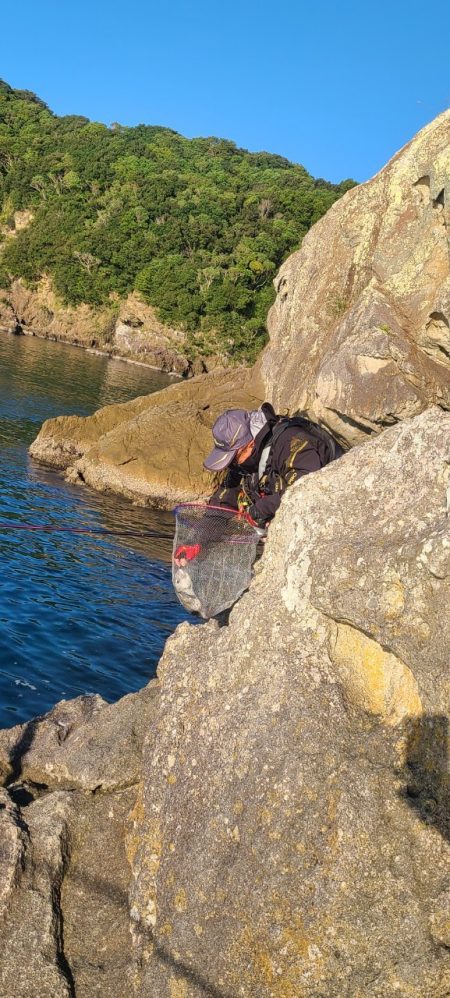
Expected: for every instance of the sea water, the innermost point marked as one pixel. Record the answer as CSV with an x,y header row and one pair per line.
x,y
79,613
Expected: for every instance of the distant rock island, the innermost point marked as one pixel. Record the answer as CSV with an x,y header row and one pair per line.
x,y
270,816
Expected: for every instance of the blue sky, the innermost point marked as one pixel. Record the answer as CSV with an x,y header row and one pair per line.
x,y
338,87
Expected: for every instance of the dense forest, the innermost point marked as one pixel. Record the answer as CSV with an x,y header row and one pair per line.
x,y
197,226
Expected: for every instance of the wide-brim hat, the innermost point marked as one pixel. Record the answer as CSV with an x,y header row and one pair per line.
x,y
231,431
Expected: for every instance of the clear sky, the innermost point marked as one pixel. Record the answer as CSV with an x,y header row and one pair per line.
x,y
336,86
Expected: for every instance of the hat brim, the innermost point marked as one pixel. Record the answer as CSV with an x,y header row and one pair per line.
x,y
219,459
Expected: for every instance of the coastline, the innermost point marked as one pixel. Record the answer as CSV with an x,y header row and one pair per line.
x,y
129,329
110,355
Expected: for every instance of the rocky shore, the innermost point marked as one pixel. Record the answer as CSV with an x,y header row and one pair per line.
x,y
270,816
127,329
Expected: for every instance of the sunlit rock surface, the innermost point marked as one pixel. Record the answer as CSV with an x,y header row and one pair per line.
x,y
360,330
292,832
270,817
152,448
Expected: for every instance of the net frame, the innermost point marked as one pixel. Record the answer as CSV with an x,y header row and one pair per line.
x,y
221,548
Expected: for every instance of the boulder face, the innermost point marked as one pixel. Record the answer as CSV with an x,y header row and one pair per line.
x,y
360,329
270,816
292,834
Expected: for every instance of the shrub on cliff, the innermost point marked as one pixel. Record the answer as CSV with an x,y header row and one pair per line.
x,y
198,226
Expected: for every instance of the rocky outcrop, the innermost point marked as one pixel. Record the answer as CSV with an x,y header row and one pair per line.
x,y
360,330
71,783
292,833
280,793
129,328
123,448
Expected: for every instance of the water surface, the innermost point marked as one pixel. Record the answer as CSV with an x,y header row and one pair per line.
x,y
78,613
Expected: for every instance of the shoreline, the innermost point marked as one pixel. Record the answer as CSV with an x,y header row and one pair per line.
x,y
94,350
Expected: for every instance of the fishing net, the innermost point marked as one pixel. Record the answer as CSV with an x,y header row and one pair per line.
x,y
214,550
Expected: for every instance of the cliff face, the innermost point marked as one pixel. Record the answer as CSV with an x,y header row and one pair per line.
x,y
360,330
127,328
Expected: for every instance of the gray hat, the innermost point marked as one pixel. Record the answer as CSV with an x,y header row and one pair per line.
x,y
230,432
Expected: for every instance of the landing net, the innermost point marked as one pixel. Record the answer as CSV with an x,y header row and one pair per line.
x,y
214,550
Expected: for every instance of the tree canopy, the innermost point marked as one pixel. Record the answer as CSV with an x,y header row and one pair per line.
x,y
198,226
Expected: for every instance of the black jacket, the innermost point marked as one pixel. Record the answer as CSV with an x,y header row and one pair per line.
x,y
294,452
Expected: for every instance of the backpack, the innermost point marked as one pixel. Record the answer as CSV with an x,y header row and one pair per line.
x,y
334,449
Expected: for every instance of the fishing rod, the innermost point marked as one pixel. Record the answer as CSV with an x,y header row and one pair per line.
x,y
101,531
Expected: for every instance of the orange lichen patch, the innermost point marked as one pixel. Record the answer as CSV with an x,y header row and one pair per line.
x,y
178,988
134,822
180,902
373,679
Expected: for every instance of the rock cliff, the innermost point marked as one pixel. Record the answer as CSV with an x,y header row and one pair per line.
x,y
126,328
360,329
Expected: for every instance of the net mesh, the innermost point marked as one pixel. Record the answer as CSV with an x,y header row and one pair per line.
x,y
214,550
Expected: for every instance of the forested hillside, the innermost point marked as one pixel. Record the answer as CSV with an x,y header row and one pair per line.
x,y
198,226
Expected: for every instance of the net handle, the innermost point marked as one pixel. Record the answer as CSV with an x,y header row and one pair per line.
x,y
222,509
207,505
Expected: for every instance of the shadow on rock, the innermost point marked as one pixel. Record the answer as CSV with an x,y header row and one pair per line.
x,y
20,749
426,778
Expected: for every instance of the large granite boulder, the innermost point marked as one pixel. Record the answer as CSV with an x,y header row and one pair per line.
x,y
360,329
279,798
291,837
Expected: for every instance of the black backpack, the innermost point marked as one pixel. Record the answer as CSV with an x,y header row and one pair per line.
x,y
333,449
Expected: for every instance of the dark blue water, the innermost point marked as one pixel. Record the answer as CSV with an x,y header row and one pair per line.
x,y
78,614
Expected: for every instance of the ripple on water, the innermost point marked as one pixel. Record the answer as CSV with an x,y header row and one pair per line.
x,y
78,613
